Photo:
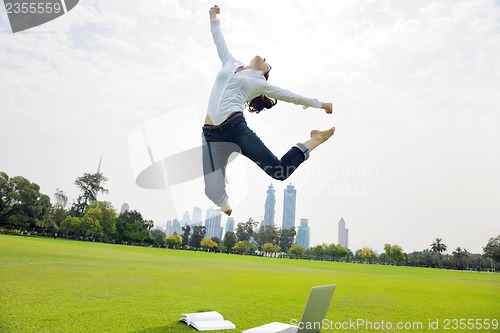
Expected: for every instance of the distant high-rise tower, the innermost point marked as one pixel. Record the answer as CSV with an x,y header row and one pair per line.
x,y
94,192
289,204
212,223
229,225
269,207
125,208
197,215
303,234
343,234
186,219
173,227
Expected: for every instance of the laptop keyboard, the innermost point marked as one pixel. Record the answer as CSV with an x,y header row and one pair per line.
x,y
288,330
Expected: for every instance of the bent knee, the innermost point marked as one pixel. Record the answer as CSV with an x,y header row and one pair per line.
x,y
216,194
281,173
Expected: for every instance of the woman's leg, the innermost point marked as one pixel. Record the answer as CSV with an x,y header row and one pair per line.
x,y
253,148
216,155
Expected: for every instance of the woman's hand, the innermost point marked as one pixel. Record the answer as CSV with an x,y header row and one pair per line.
x,y
213,12
328,107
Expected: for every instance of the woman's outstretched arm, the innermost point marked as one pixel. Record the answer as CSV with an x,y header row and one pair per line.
x,y
219,41
287,96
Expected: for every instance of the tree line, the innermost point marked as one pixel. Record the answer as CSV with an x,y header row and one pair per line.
x,y
23,209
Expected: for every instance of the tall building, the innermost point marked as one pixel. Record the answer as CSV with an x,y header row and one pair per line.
x,y
173,227
289,204
168,229
186,219
125,208
212,223
303,234
343,234
229,225
269,207
197,215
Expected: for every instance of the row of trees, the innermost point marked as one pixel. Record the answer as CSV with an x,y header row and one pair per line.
x,y
23,207
244,240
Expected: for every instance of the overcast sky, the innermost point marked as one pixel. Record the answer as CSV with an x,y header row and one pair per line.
x,y
415,86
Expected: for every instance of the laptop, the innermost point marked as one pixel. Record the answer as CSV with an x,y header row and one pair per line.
x,y
312,318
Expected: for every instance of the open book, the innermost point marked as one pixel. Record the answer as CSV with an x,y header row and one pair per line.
x,y
207,321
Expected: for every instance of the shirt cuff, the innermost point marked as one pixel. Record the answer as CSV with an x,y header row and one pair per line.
x,y
316,104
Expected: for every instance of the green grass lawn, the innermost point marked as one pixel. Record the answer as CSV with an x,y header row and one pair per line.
x,y
49,285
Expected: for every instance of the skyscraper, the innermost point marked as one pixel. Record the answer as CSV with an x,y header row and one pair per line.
x,y
125,208
212,223
289,204
343,234
269,207
229,225
303,234
173,227
197,215
186,219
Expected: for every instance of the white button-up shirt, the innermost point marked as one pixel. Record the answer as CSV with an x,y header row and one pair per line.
x,y
232,90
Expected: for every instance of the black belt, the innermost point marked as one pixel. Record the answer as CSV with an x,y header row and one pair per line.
x,y
232,117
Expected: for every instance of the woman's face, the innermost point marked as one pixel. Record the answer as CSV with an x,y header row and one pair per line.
x,y
260,64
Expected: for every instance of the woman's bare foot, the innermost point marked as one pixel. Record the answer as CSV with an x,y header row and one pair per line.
x,y
318,137
322,135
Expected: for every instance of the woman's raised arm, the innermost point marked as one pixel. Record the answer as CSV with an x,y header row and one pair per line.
x,y
219,41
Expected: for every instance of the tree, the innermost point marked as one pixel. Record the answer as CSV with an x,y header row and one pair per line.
x,y
174,240
296,250
245,247
132,228
319,251
199,233
367,254
90,226
335,251
90,184
229,240
270,248
107,219
22,206
394,253
71,226
158,237
266,234
186,231
58,212
460,256
286,238
245,231
207,244
437,246
492,249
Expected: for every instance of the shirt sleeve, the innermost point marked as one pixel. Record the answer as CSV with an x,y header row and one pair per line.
x,y
264,88
219,41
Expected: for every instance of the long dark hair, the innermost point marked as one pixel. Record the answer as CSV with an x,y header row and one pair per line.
x,y
261,102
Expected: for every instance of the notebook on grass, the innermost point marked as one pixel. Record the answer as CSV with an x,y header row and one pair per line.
x,y
207,321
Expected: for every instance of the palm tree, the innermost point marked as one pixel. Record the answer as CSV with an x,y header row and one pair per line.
x,y
437,246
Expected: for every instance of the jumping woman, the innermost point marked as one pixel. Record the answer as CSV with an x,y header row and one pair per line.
x,y
226,131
